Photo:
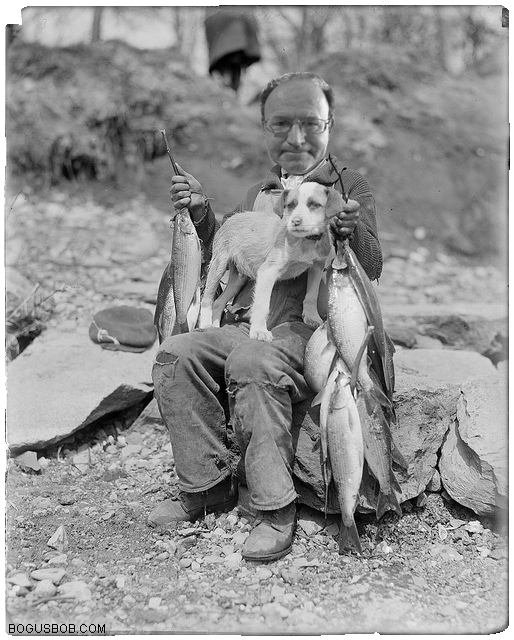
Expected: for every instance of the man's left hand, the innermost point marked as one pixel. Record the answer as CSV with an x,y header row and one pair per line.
x,y
344,222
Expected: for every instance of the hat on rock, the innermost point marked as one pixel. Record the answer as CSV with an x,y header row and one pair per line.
x,y
123,329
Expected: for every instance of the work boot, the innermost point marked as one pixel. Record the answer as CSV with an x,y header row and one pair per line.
x,y
191,506
272,535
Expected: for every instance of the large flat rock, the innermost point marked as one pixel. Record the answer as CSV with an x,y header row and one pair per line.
x,y
446,366
474,456
63,382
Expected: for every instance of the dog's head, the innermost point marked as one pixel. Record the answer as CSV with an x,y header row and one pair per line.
x,y
308,208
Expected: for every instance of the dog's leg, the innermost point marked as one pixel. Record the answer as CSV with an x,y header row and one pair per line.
x,y
310,313
234,285
217,268
267,275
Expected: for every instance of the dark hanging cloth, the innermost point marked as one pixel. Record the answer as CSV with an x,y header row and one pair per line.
x,y
232,42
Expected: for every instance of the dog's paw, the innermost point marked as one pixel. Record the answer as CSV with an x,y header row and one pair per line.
x,y
261,334
312,320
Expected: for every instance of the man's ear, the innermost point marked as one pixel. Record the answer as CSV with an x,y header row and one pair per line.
x,y
334,202
281,203
331,124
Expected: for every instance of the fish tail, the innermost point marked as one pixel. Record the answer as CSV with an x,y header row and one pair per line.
x,y
349,537
388,503
398,456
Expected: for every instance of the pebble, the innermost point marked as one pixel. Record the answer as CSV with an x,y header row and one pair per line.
x,y
62,558
195,566
231,519
78,562
239,537
45,589
20,579
162,556
154,603
310,526
76,589
120,581
130,450
185,562
101,571
263,573
59,540
41,503
54,575
233,559
129,599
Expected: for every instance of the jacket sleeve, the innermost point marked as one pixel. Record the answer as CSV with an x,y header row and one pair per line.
x,y
206,229
365,242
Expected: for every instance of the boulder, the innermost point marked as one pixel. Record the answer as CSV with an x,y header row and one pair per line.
x,y
484,333
63,382
474,455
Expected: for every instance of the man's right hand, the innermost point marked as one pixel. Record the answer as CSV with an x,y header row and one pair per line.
x,y
186,192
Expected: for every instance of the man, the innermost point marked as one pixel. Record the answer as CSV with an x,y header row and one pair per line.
x,y
206,378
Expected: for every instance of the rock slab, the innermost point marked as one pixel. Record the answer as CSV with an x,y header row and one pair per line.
x,y
474,455
63,382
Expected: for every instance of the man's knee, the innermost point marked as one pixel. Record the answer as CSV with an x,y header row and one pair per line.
x,y
253,361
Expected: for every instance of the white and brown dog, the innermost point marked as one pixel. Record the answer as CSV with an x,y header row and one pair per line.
x,y
267,247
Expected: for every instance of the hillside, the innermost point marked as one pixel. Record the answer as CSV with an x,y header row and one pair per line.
x,y
432,147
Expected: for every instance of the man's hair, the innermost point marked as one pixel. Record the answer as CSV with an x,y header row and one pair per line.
x,y
302,75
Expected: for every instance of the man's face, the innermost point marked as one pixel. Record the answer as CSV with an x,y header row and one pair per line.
x,y
297,152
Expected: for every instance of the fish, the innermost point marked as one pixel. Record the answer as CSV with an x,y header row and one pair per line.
x,y
345,453
349,328
377,441
186,256
381,348
165,313
318,357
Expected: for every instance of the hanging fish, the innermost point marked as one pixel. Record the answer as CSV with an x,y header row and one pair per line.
x,y
186,256
345,454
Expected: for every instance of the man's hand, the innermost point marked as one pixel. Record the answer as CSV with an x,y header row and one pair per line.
x,y
186,192
344,223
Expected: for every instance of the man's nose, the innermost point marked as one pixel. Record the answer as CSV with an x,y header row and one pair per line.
x,y
296,136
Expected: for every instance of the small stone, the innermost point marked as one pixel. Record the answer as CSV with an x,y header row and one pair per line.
x,y
62,558
41,503
263,573
310,526
162,556
130,450
231,519
45,589
154,603
20,579
233,559
59,540
66,499
101,571
21,591
185,562
78,562
332,529
435,482
77,589
129,599
461,605
44,462
28,461
54,575
120,581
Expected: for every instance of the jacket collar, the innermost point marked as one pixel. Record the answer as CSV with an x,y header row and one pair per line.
x,y
324,174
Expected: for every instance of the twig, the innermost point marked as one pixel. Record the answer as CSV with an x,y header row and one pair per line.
x,y
12,205
339,173
58,598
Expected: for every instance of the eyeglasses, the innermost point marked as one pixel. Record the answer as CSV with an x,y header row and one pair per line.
x,y
277,124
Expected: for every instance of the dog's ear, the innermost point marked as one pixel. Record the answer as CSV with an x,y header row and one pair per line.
x,y
334,202
281,203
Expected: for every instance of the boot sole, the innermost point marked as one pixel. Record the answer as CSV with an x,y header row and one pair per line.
x,y
270,556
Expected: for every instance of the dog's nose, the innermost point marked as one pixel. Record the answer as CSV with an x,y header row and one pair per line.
x,y
296,222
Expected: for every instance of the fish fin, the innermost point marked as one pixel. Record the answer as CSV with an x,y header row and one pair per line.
x,y
388,503
349,537
360,352
398,456
374,397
